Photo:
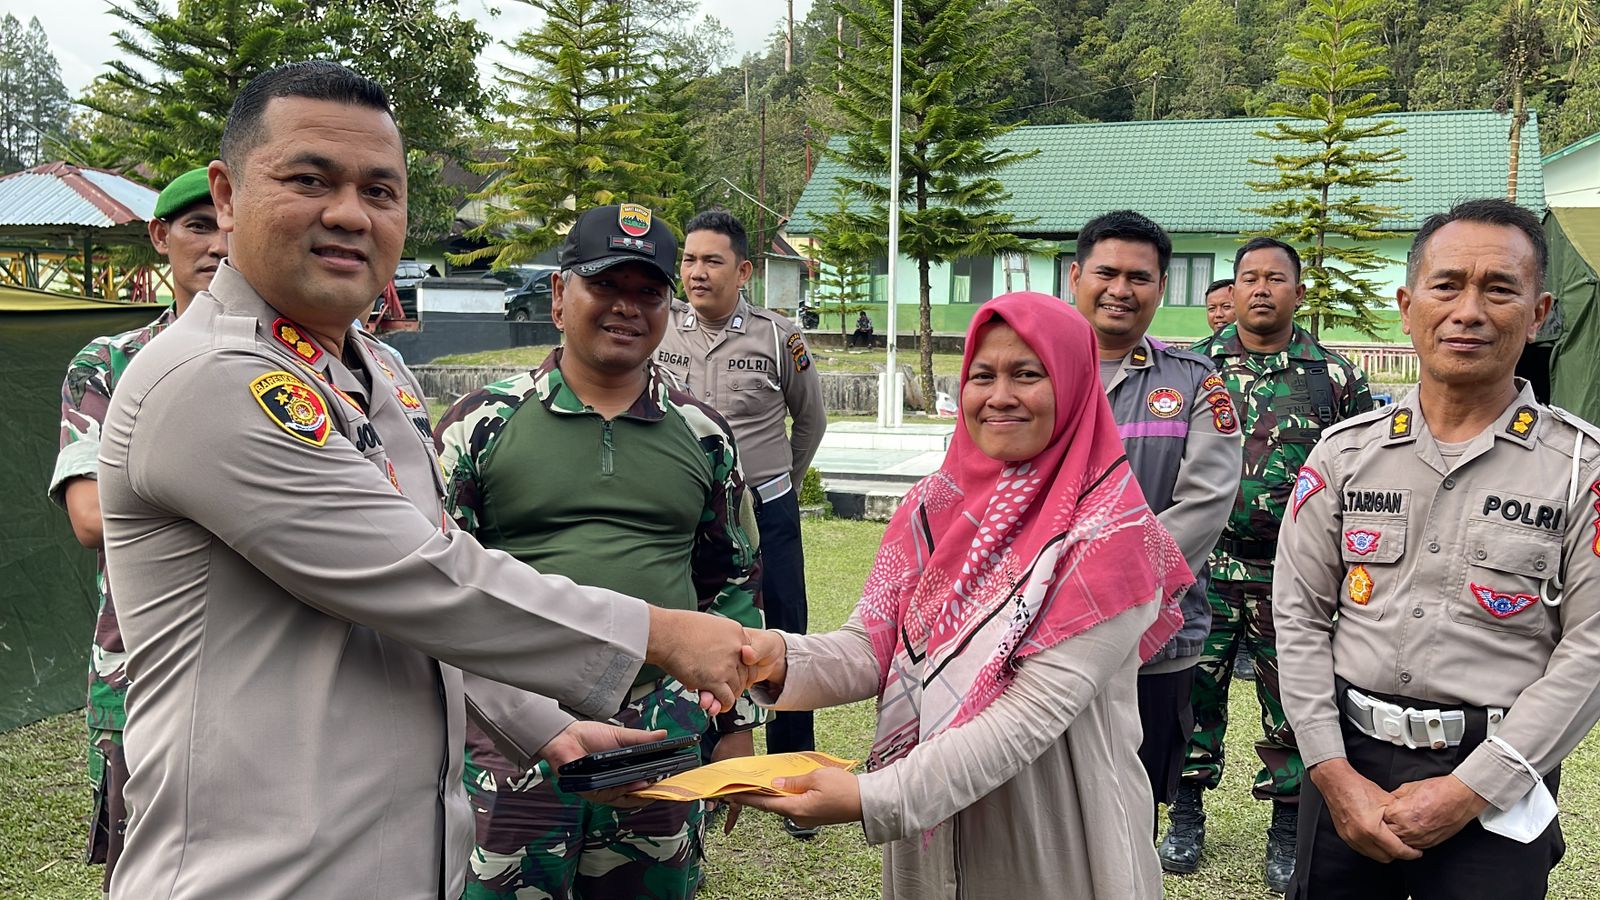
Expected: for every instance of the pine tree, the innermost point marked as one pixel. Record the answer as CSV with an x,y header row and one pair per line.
x,y
34,104
1325,215
949,164
182,70
576,133
839,257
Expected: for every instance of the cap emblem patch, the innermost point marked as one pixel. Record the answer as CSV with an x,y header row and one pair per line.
x,y
633,219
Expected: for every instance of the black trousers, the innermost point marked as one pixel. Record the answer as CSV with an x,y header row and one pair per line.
x,y
1473,864
1168,720
783,592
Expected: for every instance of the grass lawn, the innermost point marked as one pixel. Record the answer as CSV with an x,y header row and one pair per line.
x,y
44,801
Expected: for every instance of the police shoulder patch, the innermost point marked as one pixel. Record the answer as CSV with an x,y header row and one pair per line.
x,y
1595,489
293,404
1307,483
798,352
289,335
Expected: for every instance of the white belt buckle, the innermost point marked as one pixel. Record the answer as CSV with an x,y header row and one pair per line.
x,y
1392,723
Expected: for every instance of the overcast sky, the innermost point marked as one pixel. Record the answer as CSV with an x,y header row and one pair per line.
x,y
80,30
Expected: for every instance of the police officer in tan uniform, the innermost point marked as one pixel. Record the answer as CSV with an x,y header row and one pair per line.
x,y
293,599
752,366
1438,591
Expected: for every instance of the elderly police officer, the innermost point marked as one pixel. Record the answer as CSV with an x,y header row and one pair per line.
x,y
1438,591
1287,388
183,229
292,595
752,366
1182,436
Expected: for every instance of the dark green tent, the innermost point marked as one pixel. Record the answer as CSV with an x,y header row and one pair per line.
x,y
1574,279
46,578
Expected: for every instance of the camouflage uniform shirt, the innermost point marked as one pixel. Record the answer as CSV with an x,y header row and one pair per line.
x,y
85,396
607,502
1273,395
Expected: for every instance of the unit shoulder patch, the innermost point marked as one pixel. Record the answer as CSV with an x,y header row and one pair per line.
x,y
1307,483
798,352
294,406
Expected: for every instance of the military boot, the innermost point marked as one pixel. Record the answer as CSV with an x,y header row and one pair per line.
x,y
1180,849
1281,841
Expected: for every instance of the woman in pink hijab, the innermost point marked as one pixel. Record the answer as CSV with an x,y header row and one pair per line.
x,y
1015,594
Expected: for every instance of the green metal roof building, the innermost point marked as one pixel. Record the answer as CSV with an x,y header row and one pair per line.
x,y
1192,177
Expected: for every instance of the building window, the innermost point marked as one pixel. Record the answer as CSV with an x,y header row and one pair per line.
x,y
1187,278
972,279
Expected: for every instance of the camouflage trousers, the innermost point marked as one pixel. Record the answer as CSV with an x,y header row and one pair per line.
x,y
108,773
1241,612
536,840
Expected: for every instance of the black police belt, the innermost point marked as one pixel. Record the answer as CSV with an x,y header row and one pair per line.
x,y
771,490
1406,726
1262,550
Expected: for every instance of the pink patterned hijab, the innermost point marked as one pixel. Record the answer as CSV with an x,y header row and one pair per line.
x,y
988,562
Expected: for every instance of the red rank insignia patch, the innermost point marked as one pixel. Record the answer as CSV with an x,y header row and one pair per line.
x,y
1361,542
406,398
1501,605
292,404
1307,483
1165,402
288,334
1360,584
378,358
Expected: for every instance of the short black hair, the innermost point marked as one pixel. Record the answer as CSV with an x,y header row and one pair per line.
x,y
1123,225
315,79
1218,285
1489,211
1266,243
724,223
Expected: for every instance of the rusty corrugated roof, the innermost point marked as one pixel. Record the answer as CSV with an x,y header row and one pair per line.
x,y
60,194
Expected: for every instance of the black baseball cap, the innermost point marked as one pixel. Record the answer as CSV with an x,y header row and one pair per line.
x,y
621,233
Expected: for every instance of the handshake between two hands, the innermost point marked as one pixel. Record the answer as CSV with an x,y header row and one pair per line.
x,y
718,657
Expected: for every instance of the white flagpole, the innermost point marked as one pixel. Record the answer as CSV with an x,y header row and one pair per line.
x,y
891,407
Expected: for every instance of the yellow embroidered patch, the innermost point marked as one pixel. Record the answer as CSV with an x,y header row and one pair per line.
x,y
292,404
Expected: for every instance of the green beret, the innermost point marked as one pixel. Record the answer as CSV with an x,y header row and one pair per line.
x,y
186,190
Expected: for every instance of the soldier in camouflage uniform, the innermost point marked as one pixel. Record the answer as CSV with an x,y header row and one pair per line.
x,y
183,228
1287,388
595,467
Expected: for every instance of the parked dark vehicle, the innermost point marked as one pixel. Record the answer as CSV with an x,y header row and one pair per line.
x,y
528,298
407,275
809,318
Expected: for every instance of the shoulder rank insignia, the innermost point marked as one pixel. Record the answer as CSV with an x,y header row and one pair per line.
x,y
1165,402
406,398
1360,585
797,350
1140,357
738,322
384,367
288,334
1361,542
1308,482
1522,421
1400,424
292,403
1500,605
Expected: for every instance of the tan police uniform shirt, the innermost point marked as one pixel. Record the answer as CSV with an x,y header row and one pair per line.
x,y
1435,574
294,600
758,373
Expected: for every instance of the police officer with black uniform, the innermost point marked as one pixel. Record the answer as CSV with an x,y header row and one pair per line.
x,y
1438,595
753,366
